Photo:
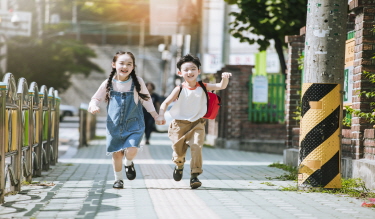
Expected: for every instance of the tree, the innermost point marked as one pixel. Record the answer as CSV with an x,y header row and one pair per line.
x,y
270,20
50,62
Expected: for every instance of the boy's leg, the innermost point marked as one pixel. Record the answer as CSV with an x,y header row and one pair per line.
x,y
196,144
117,168
196,141
176,133
130,154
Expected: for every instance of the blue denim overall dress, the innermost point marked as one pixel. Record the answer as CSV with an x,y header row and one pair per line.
x,y
125,122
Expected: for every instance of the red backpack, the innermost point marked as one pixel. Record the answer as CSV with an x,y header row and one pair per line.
x,y
213,102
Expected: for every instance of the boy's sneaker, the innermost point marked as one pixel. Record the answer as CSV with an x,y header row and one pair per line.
x,y
130,172
195,183
119,184
177,173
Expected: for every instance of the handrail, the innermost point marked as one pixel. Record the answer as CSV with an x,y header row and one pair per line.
x,y
29,128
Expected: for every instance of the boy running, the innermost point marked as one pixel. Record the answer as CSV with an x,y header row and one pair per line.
x,y
188,126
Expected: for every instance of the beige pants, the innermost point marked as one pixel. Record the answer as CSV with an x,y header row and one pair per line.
x,y
183,134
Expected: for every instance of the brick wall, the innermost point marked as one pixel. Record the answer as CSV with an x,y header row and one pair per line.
x,y
369,144
234,129
293,84
363,52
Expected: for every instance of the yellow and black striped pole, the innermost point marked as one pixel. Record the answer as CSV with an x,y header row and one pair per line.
x,y
320,136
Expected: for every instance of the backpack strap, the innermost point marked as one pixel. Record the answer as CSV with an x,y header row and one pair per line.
x,y
205,91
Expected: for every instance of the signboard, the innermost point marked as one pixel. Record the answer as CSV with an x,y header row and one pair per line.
x,y
260,89
348,72
163,17
20,28
211,63
242,59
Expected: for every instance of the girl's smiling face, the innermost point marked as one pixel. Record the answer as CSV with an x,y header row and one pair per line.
x,y
124,65
189,71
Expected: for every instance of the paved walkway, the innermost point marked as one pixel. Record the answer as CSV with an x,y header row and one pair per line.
x,y
236,184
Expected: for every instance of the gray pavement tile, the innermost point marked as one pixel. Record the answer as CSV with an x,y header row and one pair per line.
x,y
234,186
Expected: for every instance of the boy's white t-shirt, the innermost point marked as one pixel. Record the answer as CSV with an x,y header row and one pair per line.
x,y
191,105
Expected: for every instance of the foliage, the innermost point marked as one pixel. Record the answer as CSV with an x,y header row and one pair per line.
x,y
269,20
49,62
353,187
369,116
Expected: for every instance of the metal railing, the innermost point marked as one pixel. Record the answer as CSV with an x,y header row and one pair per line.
x,y
29,132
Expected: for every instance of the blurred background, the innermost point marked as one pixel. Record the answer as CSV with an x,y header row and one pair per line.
x,y
69,44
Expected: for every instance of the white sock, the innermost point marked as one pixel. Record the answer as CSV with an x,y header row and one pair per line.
x,y
128,162
118,176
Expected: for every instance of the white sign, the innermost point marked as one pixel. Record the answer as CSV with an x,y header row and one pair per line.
x,y
242,59
273,63
16,23
211,63
163,17
348,85
260,89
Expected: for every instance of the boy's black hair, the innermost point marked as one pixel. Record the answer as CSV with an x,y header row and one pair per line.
x,y
188,58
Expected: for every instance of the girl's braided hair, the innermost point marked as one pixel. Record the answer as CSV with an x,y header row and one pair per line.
x,y
132,74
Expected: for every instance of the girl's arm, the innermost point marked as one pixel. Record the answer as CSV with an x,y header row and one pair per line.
x,y
98,97
172,97
148,105
223,83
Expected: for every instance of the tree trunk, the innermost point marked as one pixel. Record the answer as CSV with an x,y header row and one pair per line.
x,y
280,53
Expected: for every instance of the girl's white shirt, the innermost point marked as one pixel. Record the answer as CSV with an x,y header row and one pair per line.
x,y
191,105
100,94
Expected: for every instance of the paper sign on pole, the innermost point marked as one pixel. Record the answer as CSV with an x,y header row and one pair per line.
x,y
260,80
348,72
260,89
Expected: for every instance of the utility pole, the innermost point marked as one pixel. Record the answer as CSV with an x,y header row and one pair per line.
x,y
74,21
322,94
39,14
3,43
141,48
225,49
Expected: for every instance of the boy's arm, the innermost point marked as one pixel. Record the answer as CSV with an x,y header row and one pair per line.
x,y
223,83
173,96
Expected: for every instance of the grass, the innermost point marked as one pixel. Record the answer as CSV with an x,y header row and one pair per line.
x,y
292,172
98,137
353,187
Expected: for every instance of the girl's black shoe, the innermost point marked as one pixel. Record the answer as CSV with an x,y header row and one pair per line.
x,y
130,172
119,184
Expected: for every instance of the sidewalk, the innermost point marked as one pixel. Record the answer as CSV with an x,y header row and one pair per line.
x,y
234,186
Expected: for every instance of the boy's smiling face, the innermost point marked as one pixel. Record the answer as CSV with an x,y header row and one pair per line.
x,y
189,71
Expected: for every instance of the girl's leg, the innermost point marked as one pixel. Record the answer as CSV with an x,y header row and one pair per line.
x,y
117,161
129,165
131,153
117,167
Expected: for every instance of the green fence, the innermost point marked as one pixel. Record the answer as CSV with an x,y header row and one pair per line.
x,y
273,111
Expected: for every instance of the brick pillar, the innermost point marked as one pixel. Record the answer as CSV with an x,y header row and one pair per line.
x,y
234,108
293,85
363,52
